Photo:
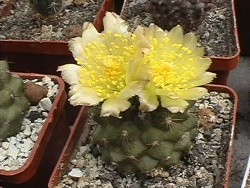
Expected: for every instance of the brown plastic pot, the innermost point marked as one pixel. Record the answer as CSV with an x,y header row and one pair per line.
x,y
220,65
44,56
81,130
48,146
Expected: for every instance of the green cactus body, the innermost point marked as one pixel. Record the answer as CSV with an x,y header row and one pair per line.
x,y
187,13
47,7
139,142
13,103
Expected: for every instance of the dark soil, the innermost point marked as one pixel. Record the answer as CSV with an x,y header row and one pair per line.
x,y
19,21
215,30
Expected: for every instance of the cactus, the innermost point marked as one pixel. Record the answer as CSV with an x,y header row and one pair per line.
x,y
139,142
187,13
13,103
141,85
47,7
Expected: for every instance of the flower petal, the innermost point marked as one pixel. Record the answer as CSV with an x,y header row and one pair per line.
x,y
141,40
167,93
148,101
70,73
80,95
200,64
113,22
132,89
136,70
149,33
113,107
77,44
176,35
89,31
205,78
192,93
190,41
174,105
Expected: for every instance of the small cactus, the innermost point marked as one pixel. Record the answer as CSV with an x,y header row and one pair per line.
x,y
141,85
187,13
47,7
139,142
13,103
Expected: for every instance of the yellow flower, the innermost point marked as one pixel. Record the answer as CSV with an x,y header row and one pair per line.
x,y
115,65
176,69
108,66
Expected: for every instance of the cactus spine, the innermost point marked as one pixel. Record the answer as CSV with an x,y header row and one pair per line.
x,y
139,142
13,103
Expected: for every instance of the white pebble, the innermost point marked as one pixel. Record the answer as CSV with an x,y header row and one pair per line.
x,y
27,132
13,153
76,173
27,145
34,137
2,157
84,150
47,80
200,136
5,145
3,151
45,103
12,142
45,114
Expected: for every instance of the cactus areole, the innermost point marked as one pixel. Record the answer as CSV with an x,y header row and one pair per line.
x,y
141,86
13,103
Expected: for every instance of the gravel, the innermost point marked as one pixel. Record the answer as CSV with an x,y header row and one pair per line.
x,y
15,150
203,166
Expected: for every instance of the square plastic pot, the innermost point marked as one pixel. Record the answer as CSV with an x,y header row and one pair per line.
x,y
80,131
48,146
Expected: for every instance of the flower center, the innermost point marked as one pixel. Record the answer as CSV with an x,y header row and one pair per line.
x,y
106,62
